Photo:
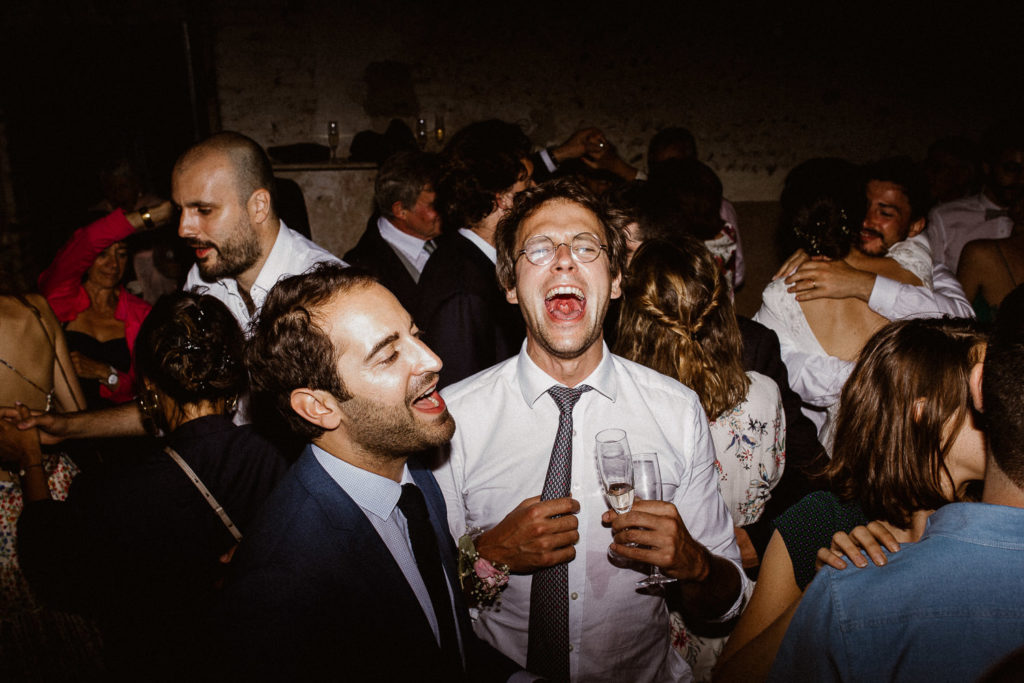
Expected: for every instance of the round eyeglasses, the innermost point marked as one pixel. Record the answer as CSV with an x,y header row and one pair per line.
x,y
541,249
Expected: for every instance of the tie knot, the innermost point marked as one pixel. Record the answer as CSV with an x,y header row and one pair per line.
x,y
412,504
566,398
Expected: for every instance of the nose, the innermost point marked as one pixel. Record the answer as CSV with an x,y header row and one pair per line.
x,y
563,259
186,225
427,360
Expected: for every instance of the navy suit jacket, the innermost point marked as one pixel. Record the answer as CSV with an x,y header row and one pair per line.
x,y
316,595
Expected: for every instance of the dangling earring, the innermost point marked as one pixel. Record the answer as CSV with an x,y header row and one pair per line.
x,y
231,405
149,405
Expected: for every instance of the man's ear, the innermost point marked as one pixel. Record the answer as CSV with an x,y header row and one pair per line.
x,y
398,211
511,296
259,206
917,227
316,406
975,380
617,286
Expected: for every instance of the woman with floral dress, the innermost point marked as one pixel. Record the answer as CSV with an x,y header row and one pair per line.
x,y
678,318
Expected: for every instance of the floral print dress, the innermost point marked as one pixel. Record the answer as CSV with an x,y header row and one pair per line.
x,y
750,454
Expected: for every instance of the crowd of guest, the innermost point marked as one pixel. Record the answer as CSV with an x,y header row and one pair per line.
x,y
383,466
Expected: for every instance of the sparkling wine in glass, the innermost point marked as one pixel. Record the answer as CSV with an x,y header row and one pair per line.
x,y
616,468
647,480
332,139
439,131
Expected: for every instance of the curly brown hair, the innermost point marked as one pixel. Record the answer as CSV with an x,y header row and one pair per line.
x,y
529,201
289,349
677,318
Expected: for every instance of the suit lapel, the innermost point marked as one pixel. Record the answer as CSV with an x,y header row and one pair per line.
x,y
357,537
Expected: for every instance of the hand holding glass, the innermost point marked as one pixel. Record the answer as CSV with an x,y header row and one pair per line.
x,y
647,479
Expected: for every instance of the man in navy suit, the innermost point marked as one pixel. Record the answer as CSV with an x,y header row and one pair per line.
x,y
332,580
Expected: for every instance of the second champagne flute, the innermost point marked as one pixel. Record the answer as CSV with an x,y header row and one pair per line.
x,y
647,477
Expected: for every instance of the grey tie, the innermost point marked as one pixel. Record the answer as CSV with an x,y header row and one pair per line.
x,y
547,651
429,246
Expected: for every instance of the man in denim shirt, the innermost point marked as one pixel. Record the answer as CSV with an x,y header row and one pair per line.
x,y
951,605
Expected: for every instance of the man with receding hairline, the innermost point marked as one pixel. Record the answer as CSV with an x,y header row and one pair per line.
x,y
225,188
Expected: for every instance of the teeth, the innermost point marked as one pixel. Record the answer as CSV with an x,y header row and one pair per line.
x,y
565,289
433,400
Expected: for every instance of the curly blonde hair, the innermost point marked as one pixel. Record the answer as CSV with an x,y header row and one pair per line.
x,y
677,318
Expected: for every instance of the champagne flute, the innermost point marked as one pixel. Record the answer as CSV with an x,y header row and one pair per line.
x,y
647,479
332,139
616,468
439,130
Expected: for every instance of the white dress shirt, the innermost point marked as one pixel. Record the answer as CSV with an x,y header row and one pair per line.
x,y
953,224
506,425
409,246
291,254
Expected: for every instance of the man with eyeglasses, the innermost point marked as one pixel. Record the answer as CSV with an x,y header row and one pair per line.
x,y
521,479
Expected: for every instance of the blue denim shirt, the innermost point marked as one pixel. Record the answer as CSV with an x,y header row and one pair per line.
x,y
943,609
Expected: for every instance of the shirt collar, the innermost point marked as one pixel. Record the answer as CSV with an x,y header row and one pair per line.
x,y
534,382
372,492
489,251
276,263
409,245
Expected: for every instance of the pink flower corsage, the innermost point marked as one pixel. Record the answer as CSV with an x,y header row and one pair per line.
x,y
482,580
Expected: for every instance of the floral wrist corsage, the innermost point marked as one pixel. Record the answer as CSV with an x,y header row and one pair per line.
x,y
484,581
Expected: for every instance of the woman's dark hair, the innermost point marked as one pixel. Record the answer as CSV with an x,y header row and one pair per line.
x,y
480,162
677,318
899,414
190,347
821,208
682,196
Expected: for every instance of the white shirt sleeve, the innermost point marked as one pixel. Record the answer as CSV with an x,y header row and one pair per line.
x,y
898,301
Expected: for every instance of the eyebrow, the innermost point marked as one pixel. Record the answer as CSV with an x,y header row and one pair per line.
x,y
390,339
894,207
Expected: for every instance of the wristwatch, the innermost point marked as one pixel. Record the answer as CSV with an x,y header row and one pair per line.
x,y
111,379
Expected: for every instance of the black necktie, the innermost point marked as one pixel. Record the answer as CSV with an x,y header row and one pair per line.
x,y
547,652
428,560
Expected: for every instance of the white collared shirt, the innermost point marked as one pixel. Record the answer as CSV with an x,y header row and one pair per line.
x,y
291,254
410,246
489,250
953,224
505,430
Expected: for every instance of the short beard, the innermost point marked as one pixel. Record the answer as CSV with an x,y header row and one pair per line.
x,y
238,254
393,431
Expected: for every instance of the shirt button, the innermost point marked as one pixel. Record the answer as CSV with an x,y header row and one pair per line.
x,y
574,596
